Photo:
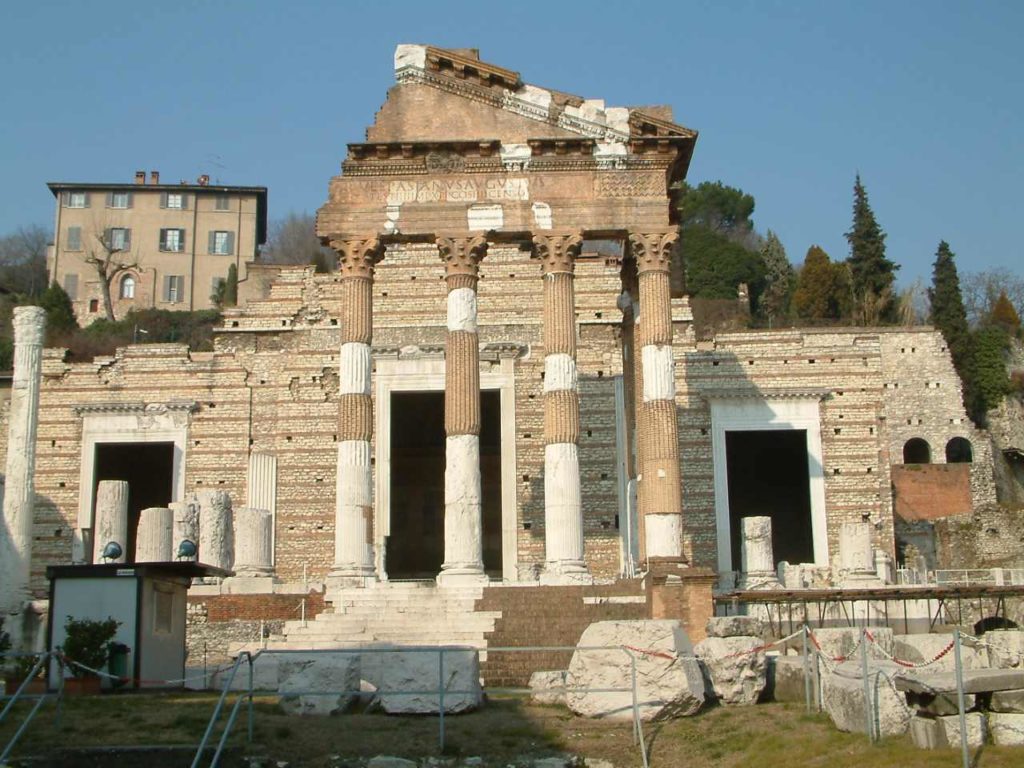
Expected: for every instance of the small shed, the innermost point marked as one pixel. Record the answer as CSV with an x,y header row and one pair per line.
x,y
149,601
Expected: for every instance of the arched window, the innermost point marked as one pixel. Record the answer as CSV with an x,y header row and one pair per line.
x,y
128,287
917,451
959,451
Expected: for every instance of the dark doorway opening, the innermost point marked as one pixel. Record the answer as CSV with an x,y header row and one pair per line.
x,y
415,546
148,468
768,476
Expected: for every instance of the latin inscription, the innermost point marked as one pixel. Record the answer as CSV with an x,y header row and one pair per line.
x,y
458,191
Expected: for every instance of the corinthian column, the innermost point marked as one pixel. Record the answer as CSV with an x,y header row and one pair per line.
x,y
563,512
353,519
463,524
658,432
19,496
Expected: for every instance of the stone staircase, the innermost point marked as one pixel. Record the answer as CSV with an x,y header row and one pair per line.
x,y
400,613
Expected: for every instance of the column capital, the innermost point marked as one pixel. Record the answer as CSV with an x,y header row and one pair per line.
x,y
557,251
653,250
357,256
461,252
29,325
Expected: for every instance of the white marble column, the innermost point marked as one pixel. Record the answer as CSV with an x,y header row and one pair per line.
x,y
216,530
154,539
110,520
253,542
563,506
353,523
19,496
185,526
756,555
463,522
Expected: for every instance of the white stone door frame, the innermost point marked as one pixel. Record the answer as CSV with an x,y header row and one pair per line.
x,y
127,423
426,374
755,413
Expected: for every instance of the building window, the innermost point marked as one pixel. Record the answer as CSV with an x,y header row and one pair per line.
x,y
74,240
118,238
174,288
71,285
94,305
119,199
172,240
959,451
177,201
76,199
222,243
128,287
222,203
917,451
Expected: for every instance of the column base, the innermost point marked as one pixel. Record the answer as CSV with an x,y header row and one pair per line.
x,y
759,580
462,577
342,576
565,572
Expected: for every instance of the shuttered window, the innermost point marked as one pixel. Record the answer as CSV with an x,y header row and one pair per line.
x,y
71,285
174,288
118,238
222,203
172,240
119,199
74,239
222,243
75,199
177,201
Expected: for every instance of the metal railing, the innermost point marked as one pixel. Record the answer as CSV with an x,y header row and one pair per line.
x,y
22,694
246,656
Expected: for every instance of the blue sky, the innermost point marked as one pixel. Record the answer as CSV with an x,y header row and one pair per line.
x,y
791,99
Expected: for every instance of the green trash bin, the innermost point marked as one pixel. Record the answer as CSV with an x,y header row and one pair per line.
x,y
118,658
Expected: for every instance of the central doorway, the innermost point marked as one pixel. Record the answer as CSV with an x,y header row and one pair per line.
x,y
768,477
415,546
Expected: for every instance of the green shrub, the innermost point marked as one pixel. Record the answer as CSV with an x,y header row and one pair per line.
x,y
88,642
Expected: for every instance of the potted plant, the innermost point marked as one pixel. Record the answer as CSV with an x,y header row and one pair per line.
x,y
86,648
17,668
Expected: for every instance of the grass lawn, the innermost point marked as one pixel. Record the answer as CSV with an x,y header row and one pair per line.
x,y
765,735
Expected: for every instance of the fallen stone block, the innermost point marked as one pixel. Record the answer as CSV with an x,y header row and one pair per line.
x,y
1006,729
548,687
843,699
843,642
317,684
950,726
1005,648
668,676
1011,702
787,676
409,681
736,668
735,626
918,649
938,704
926,733
265,676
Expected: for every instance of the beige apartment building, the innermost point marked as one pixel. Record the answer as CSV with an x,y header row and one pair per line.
x,y
178,241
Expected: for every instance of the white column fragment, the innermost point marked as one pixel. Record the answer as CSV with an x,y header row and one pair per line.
x,y
463,534
19,496
855,553
216,530
154,539
253,542
110,521
756,555
185,526
353,548
663,531
563,517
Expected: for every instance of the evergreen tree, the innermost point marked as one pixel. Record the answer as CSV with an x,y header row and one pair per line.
x,y
947,309
871,273
779,276
60,313
990,382
715,265
231,287
822,288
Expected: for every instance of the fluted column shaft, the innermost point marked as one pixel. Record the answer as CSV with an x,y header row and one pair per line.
x,y
19,496
353,519
563,510
463,515
658,432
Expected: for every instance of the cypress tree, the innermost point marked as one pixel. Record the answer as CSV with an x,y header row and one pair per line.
x,y
947,308
778,278
231,287
872,274
821,288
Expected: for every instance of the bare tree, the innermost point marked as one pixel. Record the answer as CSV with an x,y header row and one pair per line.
x,y
981,291
23,260
293,240
110,256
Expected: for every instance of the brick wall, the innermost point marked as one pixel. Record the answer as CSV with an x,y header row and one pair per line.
x,y
931,491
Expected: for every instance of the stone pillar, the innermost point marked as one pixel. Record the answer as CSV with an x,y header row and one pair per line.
x,y
110,520
463,524
756,556
658,432
216,530
19,496
185,527
563,512
353,519
154,541
254,554
856,557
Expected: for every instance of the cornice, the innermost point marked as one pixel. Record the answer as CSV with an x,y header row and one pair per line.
x,y
171,406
